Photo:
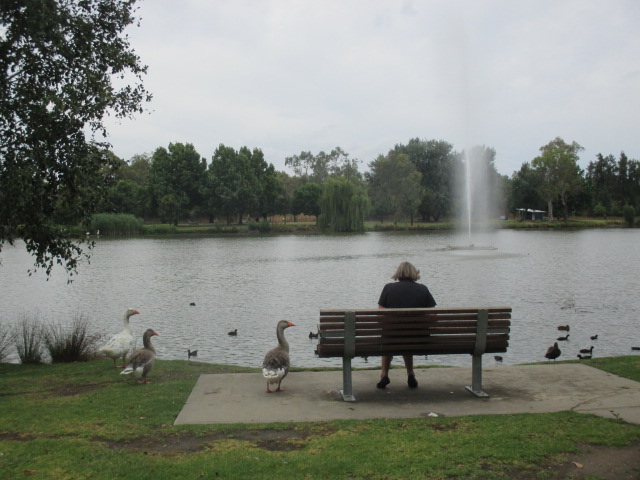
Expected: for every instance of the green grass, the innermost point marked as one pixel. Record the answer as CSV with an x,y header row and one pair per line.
x,y
84,420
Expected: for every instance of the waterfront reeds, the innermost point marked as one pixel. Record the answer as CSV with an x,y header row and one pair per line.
x,y
116,224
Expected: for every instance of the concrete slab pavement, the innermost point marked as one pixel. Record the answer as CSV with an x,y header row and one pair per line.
x,y
314,396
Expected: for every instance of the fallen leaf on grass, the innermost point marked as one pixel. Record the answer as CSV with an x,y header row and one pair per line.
x,y
579,465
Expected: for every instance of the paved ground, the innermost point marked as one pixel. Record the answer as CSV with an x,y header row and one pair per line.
x,y
314,396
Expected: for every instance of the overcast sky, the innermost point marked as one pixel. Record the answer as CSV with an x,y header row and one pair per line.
x,y
288,76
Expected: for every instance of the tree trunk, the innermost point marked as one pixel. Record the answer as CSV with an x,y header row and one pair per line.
x,y
550,209
565,208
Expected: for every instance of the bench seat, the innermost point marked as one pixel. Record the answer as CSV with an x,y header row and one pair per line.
x,y
413,331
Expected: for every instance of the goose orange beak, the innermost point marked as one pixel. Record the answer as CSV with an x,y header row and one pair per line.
x,y
291,324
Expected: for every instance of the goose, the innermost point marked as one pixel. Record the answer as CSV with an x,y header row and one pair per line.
x,y
191,354
119,345
562,339
313,335
587,350
276,363
142,360
584,357
564,327
553,352
233,332
594,337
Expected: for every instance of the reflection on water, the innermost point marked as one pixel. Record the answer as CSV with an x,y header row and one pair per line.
x,y
249,283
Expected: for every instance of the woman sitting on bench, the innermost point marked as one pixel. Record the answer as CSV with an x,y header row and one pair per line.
x,y
405,292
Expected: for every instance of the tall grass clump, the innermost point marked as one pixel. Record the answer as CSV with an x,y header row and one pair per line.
x,y
263,226
29,340
116,224
7,341
74,343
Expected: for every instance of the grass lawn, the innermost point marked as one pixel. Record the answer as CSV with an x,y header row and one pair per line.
x,y
84,420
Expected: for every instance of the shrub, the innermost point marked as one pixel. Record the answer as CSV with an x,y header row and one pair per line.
x,y
29,338
600,210
629,214
6,341
263,227
71,344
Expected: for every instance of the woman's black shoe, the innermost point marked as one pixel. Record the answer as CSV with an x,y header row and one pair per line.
x,y
384,381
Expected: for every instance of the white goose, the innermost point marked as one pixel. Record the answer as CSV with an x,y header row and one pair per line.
x,y
276,363
119,345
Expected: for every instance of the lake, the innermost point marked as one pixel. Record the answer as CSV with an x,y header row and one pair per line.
x,y
587,279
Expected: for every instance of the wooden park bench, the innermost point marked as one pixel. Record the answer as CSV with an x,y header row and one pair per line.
x,y
413,331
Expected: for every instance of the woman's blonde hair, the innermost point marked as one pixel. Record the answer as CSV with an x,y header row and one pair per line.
x,y
406,271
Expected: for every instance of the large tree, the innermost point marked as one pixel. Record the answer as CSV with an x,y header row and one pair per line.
x,y
438,163
394,187
306,199
176,180
58,59
343,206
561,174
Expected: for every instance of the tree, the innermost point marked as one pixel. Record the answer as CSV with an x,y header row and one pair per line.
x,y
394,187
317,168
343,206
525,188
601,178
268,188
57,63
241,182
558,165
437,163
177,177
306,199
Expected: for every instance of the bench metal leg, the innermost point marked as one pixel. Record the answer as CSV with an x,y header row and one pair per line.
x,y
347,392
476,377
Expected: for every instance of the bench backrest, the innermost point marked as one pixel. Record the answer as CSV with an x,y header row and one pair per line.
x,y
414,331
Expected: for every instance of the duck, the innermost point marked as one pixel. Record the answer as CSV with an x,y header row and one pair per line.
x,y
119,345
553,352
233,332
584,357
587,350
276,363
566,328
594,337
191,353
498,358
562,339
313,335
192,304
142,360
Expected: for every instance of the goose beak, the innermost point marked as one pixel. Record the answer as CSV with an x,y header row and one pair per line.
x,y
156,333
291,324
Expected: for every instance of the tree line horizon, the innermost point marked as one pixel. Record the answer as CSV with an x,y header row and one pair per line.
x,y
422,179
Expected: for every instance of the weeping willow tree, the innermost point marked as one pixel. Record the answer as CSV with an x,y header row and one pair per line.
x,y
343,206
